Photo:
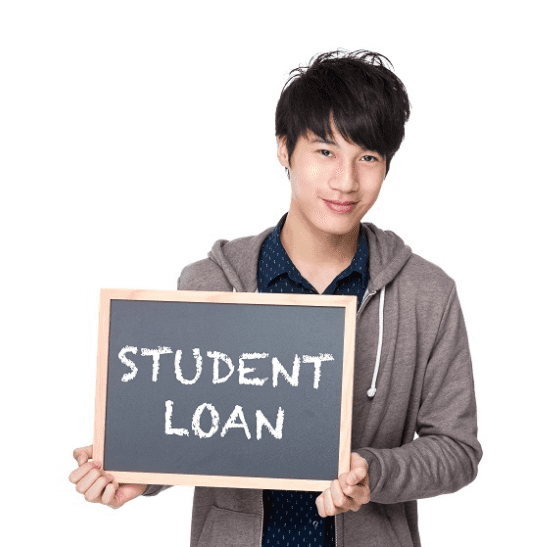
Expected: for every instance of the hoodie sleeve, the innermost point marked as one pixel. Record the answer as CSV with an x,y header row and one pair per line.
x,y
445,456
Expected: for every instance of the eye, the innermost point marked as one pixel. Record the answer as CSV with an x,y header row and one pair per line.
x,y
368,157
325,153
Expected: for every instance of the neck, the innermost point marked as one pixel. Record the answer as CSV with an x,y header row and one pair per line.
x,y
308,246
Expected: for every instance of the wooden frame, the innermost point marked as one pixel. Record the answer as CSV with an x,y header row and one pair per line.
x,y
346,302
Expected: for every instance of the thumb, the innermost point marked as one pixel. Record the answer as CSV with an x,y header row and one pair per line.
x,y
359,468
82,455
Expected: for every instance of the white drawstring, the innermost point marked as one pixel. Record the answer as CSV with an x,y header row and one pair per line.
x,y
372,391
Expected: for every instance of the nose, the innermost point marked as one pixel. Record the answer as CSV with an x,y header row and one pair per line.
x,y
345,178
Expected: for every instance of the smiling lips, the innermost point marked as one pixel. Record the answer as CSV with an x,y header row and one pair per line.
x,y
340,206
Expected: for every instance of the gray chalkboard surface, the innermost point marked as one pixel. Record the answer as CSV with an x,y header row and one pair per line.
x,y
224,389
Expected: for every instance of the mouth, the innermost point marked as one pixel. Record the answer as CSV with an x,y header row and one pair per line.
x,y
340,206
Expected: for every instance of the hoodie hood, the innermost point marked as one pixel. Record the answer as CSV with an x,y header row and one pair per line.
x,y
238,258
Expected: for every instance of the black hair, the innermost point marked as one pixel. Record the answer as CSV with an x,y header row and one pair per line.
x,y
366,100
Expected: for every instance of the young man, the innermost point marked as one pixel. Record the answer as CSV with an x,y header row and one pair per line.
x,y
339,123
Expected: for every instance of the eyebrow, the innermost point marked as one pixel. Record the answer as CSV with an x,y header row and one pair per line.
x,y
324,141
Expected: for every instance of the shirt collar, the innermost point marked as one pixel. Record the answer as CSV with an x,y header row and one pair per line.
x,y
359,263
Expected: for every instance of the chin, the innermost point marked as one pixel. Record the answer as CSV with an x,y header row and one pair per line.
x,y
336,227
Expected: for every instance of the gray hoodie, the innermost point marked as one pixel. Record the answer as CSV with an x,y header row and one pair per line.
x,y
413,377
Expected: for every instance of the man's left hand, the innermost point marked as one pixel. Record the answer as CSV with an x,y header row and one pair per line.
x,y
347,493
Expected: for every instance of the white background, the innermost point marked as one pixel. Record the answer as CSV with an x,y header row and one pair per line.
x,y
135,134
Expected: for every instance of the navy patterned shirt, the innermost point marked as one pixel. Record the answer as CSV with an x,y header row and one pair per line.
x,y
291,518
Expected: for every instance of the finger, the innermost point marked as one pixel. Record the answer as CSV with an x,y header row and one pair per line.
x,y
319,502
108,497
88,480
358,468
347,488
77,474
94,493
357,475
358,495
358,461
118,498
83,454
329,508
359,492
339,500
350,482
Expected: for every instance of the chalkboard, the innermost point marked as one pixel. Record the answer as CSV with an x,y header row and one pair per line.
x,y
224,389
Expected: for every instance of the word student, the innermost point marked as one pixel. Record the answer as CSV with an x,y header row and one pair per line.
x,y
243,370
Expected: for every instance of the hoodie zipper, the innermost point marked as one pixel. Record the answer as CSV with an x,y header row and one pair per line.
x,y
262,517
366,298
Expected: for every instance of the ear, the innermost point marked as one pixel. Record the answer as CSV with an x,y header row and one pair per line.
x,y
282,152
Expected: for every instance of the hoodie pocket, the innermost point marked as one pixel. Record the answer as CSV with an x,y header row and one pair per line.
x,y
224,528
371,526
381,533
395,530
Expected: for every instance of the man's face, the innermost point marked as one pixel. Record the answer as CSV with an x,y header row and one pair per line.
x,y
334,183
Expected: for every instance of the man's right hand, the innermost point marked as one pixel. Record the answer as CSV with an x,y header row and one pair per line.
x,y
99,487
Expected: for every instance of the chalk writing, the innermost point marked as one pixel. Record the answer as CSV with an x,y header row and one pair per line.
x,y
246,377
